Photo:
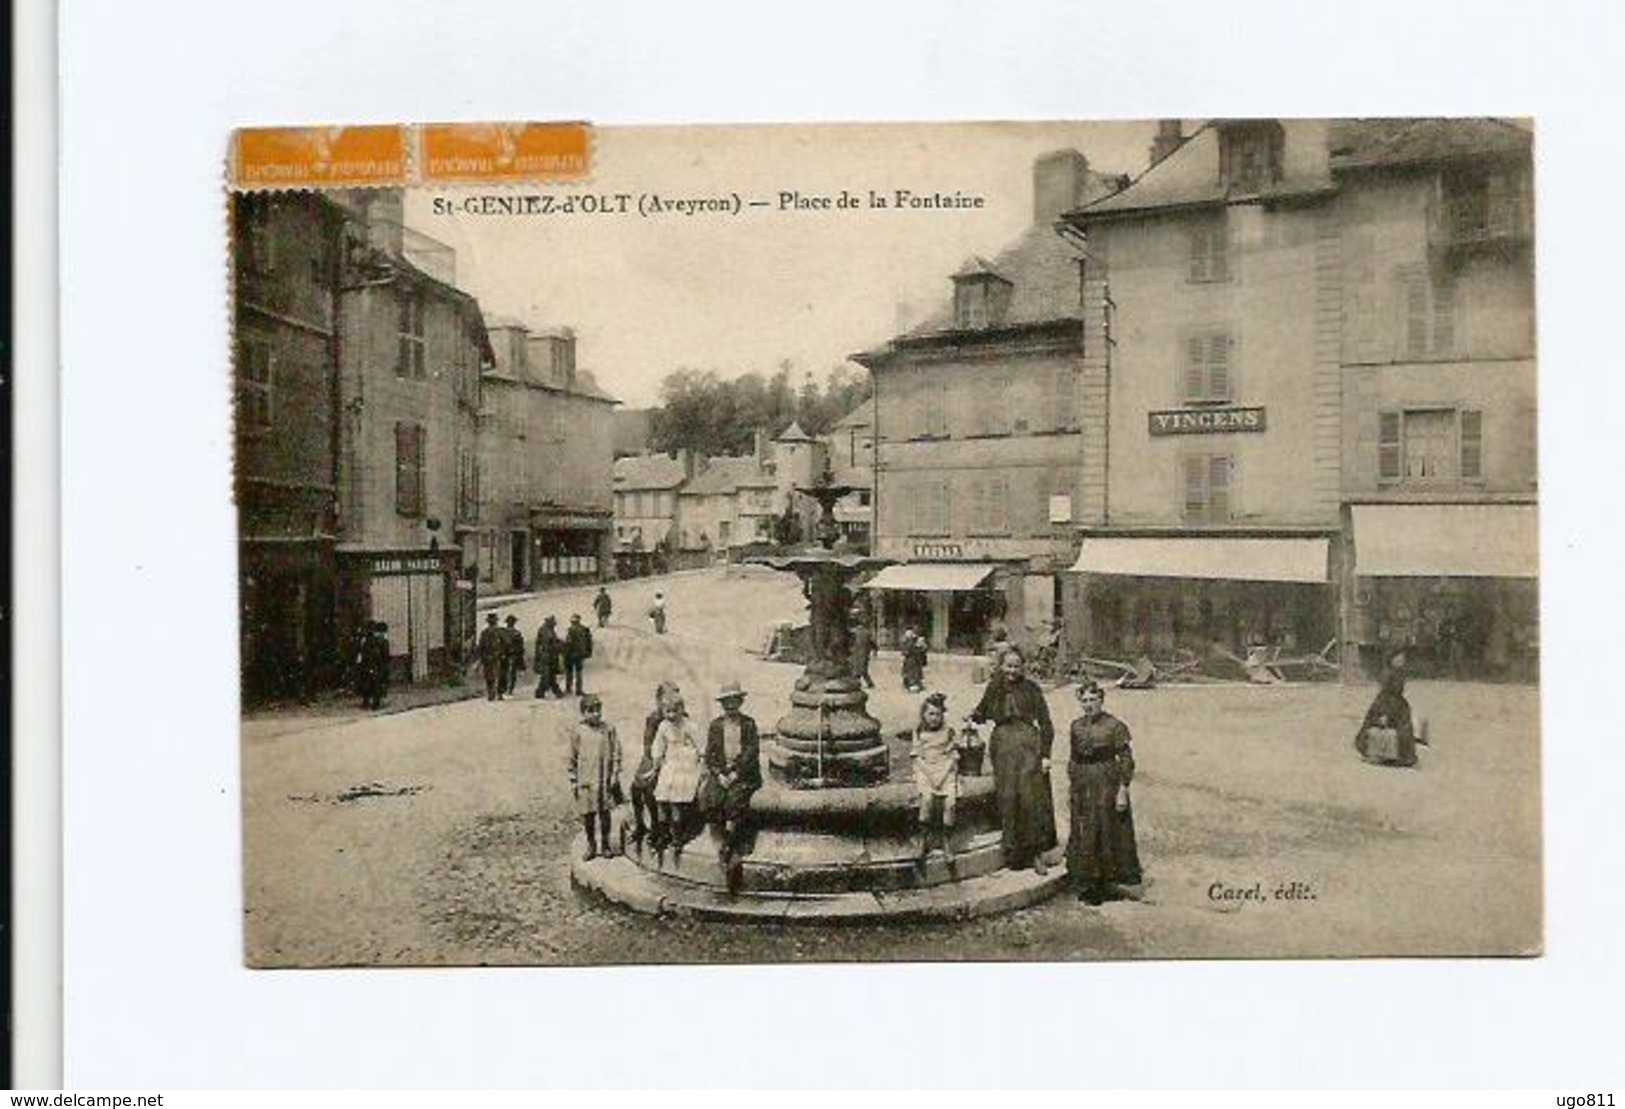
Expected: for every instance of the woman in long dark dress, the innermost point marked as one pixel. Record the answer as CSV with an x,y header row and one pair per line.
x,y
1100,851
1390,711
1020,750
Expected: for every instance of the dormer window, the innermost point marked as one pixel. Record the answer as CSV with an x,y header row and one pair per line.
x,y
1251,155
981,296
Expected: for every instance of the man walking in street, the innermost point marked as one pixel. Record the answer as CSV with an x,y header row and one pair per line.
x,y
603,606
491,649
577,650
372,664
514,660
548,649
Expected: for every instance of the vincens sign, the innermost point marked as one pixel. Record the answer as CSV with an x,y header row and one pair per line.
x,y
1206,421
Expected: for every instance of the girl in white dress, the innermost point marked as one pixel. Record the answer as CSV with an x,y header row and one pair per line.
x,y
679,754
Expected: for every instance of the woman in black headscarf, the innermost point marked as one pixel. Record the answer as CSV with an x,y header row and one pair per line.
x,y
1388,734
1020,752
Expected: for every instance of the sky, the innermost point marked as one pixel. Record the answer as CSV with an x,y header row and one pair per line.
x,y
740,292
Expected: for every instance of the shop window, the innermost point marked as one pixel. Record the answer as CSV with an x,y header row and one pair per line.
x,y
1208,360
254,383
1434,446
1428,300
409,361
409,443
1210,250
1208,481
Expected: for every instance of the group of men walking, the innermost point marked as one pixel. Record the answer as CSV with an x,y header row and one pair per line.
x,y
501,651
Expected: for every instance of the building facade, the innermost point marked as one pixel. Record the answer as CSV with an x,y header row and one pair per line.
x,y
1318,343
547,449
646,487
986,432
851,446
412,350
289,246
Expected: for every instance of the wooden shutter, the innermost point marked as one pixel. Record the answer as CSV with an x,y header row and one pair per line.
x,y
1219,252
405,468
1196,472
1218,367
1196,370
1414,291
1472,443
998,503
1388,446
978,505
1201,254
1444,317
1218,488
1066,399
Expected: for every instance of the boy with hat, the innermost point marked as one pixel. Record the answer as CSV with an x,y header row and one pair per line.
x,y
733,758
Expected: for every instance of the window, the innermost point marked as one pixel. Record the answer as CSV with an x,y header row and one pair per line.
x,y
1066,400
488,556
254,384
409,351
259,239
1207,488
930,507
994,417
1486,205
409,469
1207,368
1210,251
1428,329
1434,446
1251,155
936,409
990,505
468,485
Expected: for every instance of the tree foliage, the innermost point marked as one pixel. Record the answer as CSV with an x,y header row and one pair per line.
x,y
703,412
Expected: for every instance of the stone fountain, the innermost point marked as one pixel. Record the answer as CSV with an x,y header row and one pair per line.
x,y
833,834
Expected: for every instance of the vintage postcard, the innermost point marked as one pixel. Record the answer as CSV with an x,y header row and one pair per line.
x,y
996,541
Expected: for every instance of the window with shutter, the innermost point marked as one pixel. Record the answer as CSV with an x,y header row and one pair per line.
x,y
977,505
1444,317
1207,368
255,378
1066,400
1196,488
408,469
1414,284
998,504
996,406
409,349
1210,251
1218,488
1208,488
1429,325
936,409
1388,446
1472,444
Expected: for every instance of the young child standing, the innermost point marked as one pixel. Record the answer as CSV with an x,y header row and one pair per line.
x,y
935,748
678,754
595,772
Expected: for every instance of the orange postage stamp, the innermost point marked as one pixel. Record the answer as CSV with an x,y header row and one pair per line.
x,y
485,153
302,157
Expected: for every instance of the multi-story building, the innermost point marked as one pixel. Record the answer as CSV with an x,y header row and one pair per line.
x,y
286,435
851,446
547,449
1438,401
986,426
646,488
1317,344
412,346
709,520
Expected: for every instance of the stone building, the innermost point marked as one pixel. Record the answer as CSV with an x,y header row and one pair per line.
x,y
1317,343
288,248
411,351
646,488
547,449
986,422
851,446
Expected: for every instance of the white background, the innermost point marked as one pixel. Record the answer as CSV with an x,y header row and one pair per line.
x,y
155,995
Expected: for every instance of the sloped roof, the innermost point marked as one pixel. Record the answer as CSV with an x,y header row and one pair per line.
x,y
1362,143
861,416
724,475
1042,269
586,385
794,434
977,266
648,471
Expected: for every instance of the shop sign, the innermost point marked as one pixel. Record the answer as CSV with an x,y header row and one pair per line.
x,y
1206,421
939,550
404,564
570,523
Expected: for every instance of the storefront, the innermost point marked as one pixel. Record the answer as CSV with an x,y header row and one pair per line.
x,y
1155,596
953,604
417,593
569,546
286,629
1453,585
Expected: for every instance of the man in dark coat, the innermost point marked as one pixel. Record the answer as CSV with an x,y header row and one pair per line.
x,y
603,606
577,650
514,660
372,664
733,760
546,659
491,648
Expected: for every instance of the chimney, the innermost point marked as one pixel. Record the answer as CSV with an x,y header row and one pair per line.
x,y
1060,184
685,459
761,446
384,211
1170,134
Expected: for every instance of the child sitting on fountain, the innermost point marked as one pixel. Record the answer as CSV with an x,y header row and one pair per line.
x,y
679,757
935,749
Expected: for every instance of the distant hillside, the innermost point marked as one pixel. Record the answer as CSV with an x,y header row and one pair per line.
x,y
631,430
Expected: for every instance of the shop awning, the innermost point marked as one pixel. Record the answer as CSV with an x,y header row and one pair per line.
x,y
1213,557
931,577
1446,540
